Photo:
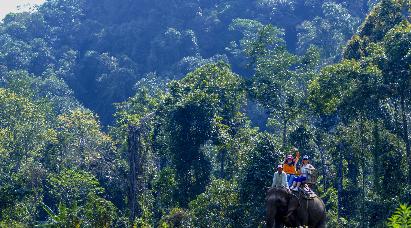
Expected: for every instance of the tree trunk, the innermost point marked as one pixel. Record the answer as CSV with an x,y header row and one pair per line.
x,y
285,122
405,135
136,159
376,155
318,142
362,139
133,154
340,179
223,154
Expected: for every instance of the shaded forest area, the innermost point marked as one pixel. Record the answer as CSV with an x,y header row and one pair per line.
x,y
122,113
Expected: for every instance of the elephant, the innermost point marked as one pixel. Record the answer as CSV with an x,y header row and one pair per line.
x,y
286,209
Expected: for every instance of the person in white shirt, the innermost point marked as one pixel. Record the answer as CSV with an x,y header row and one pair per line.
x,y
280,178
306,170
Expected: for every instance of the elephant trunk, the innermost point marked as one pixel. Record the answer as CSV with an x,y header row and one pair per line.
x,y
271,214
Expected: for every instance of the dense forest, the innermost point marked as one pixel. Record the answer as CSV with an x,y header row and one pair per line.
x,y
154,113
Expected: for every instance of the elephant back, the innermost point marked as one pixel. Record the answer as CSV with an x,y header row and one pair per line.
x,y
312,212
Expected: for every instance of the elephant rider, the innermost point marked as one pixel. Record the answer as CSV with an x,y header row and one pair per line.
x,y
280,178
306,169
290,164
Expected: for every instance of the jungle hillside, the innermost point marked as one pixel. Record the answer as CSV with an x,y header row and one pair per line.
x,y
176,113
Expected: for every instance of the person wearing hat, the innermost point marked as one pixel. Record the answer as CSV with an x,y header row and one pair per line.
x,y
306,169
289,166
280,178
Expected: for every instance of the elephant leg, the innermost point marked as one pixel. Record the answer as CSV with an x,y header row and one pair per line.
x,y
279,225
273,223
270,220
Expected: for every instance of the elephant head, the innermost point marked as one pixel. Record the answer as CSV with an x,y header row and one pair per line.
x,y
280,206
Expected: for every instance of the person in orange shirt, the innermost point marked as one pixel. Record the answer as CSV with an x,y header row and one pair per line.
x,y
290,164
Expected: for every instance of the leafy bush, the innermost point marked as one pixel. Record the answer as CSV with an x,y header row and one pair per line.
x,y
401,217
216,207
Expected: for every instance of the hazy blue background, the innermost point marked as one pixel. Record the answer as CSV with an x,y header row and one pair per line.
x,y
8,6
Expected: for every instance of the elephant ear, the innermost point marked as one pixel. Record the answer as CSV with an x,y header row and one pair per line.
x,y
293,204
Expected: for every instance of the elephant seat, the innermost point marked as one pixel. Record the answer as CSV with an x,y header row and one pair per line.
x,y
306,192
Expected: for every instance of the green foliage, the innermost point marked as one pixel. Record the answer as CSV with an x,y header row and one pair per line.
x,y
100,212
148,97
216,207
101,48
329,32
382,18
204,157
80,204
401,217
176,218
73,186
21,214
339,86
165,186
280,86
214,82
257,41
397,44
255,179
66,216
81,141
48,91
211,94
97,212
24,135
331,199
385,16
